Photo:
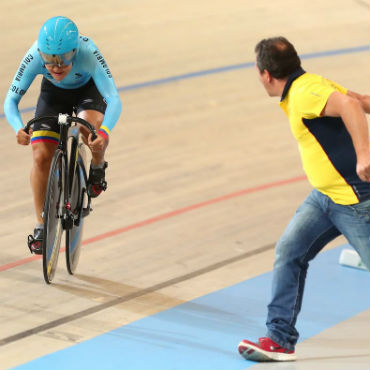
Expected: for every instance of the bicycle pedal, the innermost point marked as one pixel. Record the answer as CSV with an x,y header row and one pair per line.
x,y
34,249
86,211
30,240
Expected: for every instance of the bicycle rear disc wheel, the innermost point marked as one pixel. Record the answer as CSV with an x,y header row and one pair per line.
x,y
53,210
77,199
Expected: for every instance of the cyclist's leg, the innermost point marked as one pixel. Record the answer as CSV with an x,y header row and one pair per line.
x,y
43,142
42,155
95,118
96,181
91,107
51,101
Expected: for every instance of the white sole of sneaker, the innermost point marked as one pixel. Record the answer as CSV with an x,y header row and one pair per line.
x,y
254,353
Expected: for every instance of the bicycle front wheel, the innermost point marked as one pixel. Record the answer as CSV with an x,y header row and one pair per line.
x,y
74,235
53,213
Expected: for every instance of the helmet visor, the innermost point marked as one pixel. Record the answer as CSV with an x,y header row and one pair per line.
x,y
58,59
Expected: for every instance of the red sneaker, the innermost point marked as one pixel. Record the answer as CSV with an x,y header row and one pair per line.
x,y
265,350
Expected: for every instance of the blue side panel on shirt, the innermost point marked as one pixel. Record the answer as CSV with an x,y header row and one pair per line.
x,y
329,131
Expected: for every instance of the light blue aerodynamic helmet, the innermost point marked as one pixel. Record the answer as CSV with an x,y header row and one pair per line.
x,y
58,41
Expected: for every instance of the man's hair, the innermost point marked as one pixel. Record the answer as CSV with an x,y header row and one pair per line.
x,y
278,56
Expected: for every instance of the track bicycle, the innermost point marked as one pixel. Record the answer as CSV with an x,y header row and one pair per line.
x,y
67,202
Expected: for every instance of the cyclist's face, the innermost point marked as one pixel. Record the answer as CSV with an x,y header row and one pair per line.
x,y
58,72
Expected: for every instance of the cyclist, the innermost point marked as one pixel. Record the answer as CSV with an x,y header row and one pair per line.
x,y
76,79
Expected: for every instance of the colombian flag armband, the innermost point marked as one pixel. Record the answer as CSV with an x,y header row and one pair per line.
x,y
104,131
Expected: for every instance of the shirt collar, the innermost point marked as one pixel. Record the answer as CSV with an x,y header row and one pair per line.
x,y
299,72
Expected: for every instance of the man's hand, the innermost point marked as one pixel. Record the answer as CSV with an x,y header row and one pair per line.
x,y
98,145
352,113
23,138
363,168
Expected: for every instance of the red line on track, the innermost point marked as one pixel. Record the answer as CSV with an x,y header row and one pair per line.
x,y
165,216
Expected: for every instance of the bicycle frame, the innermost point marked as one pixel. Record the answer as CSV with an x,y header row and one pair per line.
x,y
66,211
67,217
65,121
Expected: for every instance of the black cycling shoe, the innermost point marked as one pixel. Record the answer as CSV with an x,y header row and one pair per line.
x,y
96,182
35,241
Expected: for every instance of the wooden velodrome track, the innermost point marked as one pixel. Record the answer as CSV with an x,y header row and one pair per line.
x,y
203,171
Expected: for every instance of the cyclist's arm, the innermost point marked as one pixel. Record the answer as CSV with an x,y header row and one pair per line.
x,y
26,73
107,88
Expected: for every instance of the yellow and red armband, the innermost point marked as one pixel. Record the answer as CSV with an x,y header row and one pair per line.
x,y
104,131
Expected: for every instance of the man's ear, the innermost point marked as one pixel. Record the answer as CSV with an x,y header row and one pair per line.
x,y
268,75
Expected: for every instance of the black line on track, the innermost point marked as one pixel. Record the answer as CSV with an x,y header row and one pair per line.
x,y
128,297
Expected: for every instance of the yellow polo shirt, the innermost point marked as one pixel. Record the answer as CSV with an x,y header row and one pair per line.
x,y
326,148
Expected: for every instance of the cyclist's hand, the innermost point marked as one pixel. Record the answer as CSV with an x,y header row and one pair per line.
x,y
98,145
23,138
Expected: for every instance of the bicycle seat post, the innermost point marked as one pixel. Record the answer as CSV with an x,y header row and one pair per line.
x,y
63,119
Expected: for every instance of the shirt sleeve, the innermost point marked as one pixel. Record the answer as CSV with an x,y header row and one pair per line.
x,y
104,82
28,69
314,97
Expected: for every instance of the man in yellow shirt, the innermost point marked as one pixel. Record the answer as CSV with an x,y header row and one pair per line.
x,y
330,126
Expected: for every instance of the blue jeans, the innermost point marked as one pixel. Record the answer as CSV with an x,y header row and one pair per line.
x,y
317,221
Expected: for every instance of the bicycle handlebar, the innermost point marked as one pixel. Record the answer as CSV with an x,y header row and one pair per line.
x,y
70,119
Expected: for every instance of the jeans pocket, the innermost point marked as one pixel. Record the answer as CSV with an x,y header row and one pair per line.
x,y
362,209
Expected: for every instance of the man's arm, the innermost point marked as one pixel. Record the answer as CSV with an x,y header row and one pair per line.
x,y
351,110
363,99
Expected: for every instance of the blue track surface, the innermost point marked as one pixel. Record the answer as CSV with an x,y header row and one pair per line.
x,y
204,333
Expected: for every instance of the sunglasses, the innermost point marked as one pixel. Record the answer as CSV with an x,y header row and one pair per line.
x,y
60,60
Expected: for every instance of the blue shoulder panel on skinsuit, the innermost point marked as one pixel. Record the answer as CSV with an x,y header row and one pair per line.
x,y
88,63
